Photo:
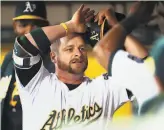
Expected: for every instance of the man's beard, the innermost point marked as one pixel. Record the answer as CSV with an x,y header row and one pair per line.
x,y
70,69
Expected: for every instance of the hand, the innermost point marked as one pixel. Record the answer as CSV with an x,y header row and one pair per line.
x,y
80,17
108,14
142,11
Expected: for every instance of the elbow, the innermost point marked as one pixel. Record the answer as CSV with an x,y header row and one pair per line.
x,y
99,47
97,50
102,55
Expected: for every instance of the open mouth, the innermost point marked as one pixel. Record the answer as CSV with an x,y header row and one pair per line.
x,y
77,61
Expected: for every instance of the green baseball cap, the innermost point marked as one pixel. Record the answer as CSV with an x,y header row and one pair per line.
x,y
30,10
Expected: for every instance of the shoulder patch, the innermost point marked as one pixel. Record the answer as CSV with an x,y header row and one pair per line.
x,y
106,76
136,59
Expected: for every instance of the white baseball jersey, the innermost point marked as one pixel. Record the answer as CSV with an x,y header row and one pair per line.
x,y
134,75
48,104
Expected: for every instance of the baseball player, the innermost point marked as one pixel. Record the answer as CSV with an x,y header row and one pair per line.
x,y
128,70
66,98
152,110
96,30
28,16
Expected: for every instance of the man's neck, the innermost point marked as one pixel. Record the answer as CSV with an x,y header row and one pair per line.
x,y
70,78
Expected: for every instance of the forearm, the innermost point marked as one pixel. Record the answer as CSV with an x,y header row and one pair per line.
x,y
113,40
27,49
134,47
52,33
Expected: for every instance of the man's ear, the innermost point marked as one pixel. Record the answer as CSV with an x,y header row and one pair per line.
x,y
53,56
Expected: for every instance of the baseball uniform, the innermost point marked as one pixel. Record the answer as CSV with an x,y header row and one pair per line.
x,y
134,74
47,102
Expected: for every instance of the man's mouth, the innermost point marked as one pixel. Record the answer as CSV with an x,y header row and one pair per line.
x,y
77,61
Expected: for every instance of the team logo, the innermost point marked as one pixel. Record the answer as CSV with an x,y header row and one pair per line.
x,y
58,120
94,36
106,76
30,7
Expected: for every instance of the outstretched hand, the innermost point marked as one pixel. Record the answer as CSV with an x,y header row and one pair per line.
x,y
108,14
81,17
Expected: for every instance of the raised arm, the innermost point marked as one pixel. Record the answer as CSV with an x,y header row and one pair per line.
x,y
27,48
75,25
135,48
115,37
132,44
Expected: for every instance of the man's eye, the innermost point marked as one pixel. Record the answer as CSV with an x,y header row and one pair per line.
x,y
82,49
69,49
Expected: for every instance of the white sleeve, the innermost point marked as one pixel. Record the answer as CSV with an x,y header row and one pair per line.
x,y
125,70
134,76
122,69
120,63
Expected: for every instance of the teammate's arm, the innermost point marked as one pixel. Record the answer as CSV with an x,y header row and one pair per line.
x,y
114,39
27,48
135,48
132,45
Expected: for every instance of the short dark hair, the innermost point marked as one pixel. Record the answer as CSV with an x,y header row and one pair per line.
x,y
33,22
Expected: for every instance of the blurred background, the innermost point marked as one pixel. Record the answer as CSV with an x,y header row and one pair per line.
x,y
58,12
